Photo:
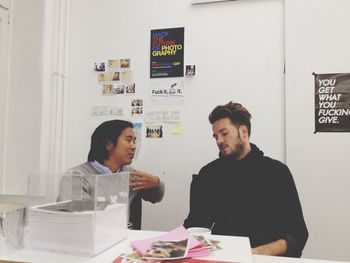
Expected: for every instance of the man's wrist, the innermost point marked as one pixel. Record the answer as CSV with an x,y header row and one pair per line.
x,y
275,248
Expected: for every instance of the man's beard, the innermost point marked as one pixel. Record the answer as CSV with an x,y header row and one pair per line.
x,y
237,151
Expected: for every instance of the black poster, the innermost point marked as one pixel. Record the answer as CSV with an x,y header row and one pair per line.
x,y
167,52
332,102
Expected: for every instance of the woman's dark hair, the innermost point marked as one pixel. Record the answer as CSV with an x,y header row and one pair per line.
x,y
238,114
108,131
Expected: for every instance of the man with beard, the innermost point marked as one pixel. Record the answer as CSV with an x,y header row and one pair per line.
x,y
244,193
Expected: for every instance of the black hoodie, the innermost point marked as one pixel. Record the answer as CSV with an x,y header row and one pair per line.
x,y
254,197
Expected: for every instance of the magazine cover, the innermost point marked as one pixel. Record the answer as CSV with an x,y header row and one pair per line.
x,y
194,247
167,250
136,258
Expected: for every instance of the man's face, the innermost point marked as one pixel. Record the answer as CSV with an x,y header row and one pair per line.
x,y
123,152
228,138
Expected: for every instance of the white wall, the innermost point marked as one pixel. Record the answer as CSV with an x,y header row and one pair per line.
x,y
238,51
5,3
237,48
4,39
317,40
22,135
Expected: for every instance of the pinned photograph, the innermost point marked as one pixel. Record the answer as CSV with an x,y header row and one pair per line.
x,y
154,131
137,102
116,76
136,110
108,76
113,63
101,77
117,111
130,88
119,89
107,89
125,63
127,76
190,70
100,66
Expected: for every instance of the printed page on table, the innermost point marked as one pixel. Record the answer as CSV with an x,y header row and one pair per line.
x,y
209,244
167,250
131,258
136,258
194,260
177,234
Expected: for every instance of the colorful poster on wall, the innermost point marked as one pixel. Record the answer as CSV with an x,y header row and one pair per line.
x,y
167,53
332,102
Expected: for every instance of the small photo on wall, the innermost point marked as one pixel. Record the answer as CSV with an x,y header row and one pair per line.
x,y
108,76
100,66
154,131
125,63
127,76
107,89
116,76
136,111
119,89
190,70
130,88
137,102
113,63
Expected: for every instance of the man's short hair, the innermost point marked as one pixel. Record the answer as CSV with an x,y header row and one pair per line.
x,y
109,131
238,114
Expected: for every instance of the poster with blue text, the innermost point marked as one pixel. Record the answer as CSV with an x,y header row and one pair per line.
x,y
167,52
332,102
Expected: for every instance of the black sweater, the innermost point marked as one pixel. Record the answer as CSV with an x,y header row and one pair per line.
x,y
254,197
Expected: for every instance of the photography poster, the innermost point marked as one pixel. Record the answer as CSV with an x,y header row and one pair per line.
x,y
332,102
167,53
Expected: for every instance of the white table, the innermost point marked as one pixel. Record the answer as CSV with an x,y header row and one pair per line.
x,y
268,259
38,256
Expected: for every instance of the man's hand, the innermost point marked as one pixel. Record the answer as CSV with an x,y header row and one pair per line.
x,y
276,248
141,180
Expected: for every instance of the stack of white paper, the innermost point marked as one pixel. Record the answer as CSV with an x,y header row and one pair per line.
x,y
76,227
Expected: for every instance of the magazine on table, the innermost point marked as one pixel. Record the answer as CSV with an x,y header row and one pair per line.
x,y
177,238
199,249
130,258
167,250
210,244
136,258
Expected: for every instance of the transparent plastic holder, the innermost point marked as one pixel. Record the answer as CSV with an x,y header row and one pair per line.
x,y
12,225
89,215
14,200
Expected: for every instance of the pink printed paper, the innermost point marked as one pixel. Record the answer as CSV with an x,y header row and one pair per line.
x,y
180,233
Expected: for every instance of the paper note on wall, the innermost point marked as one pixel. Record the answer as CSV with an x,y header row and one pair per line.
x,y
177,128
